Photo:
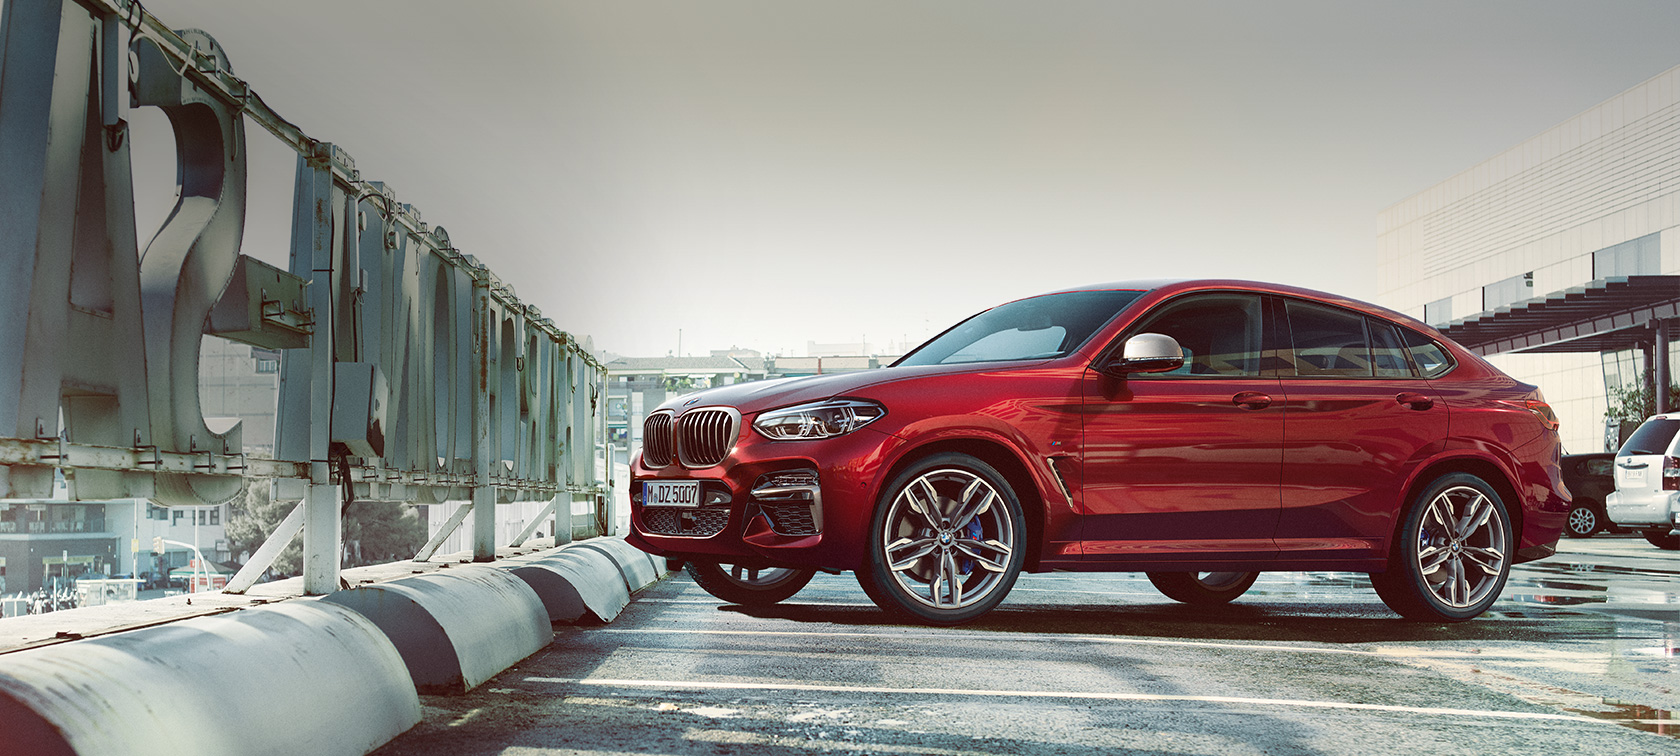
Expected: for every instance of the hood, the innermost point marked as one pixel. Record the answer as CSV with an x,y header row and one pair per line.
x,y
757,396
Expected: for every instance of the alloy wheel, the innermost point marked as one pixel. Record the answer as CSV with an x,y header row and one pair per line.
x,y
1462,549
949,539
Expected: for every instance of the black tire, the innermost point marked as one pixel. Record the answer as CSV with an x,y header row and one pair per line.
x,y
1663,538
1585,519
748,586
1452,554
1203,588
955,530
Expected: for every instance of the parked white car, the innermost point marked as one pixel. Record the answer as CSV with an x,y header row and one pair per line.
x,y
1647,496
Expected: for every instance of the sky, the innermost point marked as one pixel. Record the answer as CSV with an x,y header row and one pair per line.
x,y
666,175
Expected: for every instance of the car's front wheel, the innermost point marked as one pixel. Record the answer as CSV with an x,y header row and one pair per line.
x,y
1203,588
1452,554
1584,520
1663,538
748,586
946,542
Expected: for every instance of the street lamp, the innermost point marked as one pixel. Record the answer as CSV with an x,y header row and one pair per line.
x,y
198,560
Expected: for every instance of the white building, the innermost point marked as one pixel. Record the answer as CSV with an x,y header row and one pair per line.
x,y
1556,257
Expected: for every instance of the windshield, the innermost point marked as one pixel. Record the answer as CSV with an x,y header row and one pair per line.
x,y
1029,329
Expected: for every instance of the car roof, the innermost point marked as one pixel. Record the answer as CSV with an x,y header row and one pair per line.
x,y
1169,286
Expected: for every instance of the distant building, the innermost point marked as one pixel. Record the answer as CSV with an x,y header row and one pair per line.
x,y
1558,258
241,381
636,385
51,543
789,367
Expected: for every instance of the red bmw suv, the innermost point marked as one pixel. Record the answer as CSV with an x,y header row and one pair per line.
x,y
1198,431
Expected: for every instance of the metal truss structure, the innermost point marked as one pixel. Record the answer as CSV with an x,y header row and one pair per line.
x,y
409,372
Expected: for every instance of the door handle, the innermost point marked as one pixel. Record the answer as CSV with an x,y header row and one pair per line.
x,y
1251,400
1414,401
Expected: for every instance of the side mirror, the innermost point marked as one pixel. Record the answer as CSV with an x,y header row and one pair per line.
x,y
1147,353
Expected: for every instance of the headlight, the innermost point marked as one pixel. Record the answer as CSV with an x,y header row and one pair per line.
x,y
825,419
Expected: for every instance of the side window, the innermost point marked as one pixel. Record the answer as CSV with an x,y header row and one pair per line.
x,y
1429,357
1598,467
1328,341
1220,333
1388,353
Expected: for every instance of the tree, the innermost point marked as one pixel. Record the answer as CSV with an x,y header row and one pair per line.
x,y
1632,403
382,531
374,532
252,516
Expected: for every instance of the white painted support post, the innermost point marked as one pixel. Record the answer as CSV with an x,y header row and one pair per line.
x,y
484,523
322,534
444,532
268,552
484,492
562,518
536,522
324,215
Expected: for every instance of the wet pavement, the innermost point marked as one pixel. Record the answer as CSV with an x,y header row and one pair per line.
x,y
1578,655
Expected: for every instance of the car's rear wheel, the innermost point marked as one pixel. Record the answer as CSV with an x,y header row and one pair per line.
x,y
1584,520
1203,588
946,542
749,586
1663,538
1453,552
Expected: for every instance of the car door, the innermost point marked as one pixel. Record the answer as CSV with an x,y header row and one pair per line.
x,y
1359,417
1185,465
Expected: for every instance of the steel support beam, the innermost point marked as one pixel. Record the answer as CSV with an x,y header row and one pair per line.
x,y
536,522
268,552
443,534
1660,366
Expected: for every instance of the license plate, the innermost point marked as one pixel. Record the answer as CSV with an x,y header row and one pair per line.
x,y
671,493
1633,477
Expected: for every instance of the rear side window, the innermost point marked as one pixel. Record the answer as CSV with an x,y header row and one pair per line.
x,y
1328,341
1651,438
1598,467
1430,358
1388,353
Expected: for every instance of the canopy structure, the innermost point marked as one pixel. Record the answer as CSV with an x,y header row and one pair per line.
x,y
1605,315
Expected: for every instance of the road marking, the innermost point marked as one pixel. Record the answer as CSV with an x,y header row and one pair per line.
x,y
1009,637
1541,656
730,737
1070,695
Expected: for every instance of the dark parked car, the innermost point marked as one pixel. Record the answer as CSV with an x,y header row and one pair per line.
x,y
1197,431
1590,479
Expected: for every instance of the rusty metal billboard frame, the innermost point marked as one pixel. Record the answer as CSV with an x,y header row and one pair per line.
x,y
409,371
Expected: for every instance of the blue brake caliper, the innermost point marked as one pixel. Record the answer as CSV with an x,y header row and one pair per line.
x,y
965,565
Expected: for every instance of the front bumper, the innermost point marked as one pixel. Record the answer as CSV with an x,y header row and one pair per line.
x,y
770,503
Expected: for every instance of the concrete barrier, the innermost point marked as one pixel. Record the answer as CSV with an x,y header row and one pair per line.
x,y
455,628
297,677
576,584
638,567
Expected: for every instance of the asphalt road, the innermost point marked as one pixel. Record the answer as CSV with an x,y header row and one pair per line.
x,y
1579,656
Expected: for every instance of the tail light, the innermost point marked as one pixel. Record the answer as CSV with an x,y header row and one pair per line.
x,y
1536,403
1671,474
